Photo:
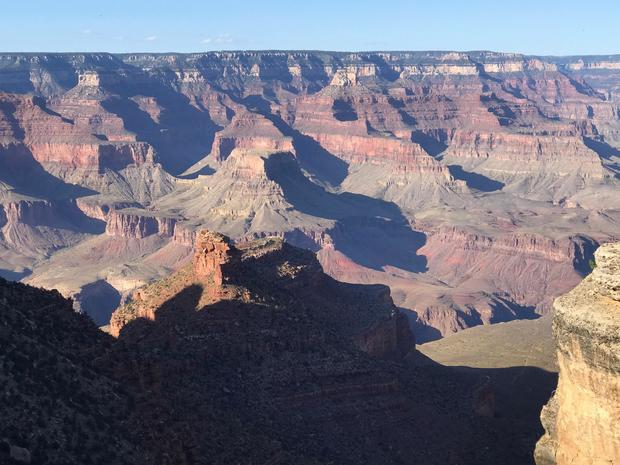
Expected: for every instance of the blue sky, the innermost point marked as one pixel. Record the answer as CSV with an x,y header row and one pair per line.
x,y
559,27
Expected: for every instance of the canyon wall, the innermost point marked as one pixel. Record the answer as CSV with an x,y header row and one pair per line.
x,y
390,165
582,420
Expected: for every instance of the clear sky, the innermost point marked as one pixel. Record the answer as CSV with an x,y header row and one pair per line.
x,y
558,27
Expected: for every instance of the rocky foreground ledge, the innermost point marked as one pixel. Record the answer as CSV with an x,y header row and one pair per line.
x,y
582,419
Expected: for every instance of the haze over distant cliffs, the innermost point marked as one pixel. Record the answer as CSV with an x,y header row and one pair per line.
x,y
475,185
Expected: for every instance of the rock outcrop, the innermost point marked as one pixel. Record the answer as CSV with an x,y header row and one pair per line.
x,y
582,420
249,131
214,256
138,224
228,272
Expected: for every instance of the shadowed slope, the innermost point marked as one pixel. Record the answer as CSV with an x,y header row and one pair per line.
x,y
251,355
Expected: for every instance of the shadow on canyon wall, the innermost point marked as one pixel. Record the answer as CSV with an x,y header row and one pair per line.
x,y
388,237
99,300
514,395
474,180
10,275
434,146
385,243
610,155
20,170
504,310
312,157
179,124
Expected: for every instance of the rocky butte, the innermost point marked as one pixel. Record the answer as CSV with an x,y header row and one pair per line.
x,y
582,419
257,273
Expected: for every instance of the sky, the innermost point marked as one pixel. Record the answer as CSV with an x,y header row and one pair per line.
x,y
542,27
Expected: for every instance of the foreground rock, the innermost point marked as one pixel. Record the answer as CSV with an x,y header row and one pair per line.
x,y
250,354
57,404
582,420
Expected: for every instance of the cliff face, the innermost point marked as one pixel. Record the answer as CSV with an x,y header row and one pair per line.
x,y
137,224
582,420
84,136
529,268
249,131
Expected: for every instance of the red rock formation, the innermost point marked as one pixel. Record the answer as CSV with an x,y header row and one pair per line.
x,y
85,135
93,209
250,131
523,149
138,224
406,156
29,212
529,268
213,252
224,271
184,236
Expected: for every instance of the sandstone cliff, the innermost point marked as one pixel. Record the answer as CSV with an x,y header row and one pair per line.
x,y
582,420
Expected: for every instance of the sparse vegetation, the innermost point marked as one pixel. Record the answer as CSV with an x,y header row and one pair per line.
x,y
592,264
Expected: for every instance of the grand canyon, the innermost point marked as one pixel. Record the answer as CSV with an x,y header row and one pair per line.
x,y
476,186
309,257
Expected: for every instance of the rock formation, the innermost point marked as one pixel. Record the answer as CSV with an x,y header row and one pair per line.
x,y
247,272
214,255
342,153
582,419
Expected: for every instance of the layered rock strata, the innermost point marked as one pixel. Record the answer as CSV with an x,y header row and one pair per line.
x,y
582,420
152,148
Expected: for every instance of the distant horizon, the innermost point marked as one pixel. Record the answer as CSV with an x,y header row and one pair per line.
x,y
283,50
532,28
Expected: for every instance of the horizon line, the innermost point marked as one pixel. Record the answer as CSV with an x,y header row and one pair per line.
x,y
341,52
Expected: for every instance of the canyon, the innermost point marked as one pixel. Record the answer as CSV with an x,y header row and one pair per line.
x,y
475,186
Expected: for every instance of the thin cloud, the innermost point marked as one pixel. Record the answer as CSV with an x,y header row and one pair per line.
x,y
151,38
221,40
224,39
86,31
